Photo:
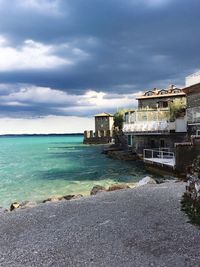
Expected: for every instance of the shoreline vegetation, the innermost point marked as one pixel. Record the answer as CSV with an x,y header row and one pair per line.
x,y
94,191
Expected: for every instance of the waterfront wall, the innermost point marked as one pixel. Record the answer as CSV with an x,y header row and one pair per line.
x,y
186,153
141,142
98,137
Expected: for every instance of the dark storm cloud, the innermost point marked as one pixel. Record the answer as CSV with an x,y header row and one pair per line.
x,y
112,46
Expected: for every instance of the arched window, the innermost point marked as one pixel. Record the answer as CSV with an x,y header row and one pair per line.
x,y
176,91
149,93
162,92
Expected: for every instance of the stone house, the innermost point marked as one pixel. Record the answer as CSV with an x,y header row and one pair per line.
x,y
103,133
156,99
151,125
104,122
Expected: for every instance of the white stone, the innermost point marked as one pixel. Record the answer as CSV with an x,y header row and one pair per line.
x,y
146,180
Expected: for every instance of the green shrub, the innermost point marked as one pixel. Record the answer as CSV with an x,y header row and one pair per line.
x,y
177,109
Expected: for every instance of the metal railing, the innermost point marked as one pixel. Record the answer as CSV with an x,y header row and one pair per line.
x,y
147,114
164,149
159,154
148,126
159,157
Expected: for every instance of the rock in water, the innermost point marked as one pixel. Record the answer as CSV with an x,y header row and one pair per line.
x,y
118,187
77,196
68,197
22,205
27,204
14,206
146,180
52,199
97,189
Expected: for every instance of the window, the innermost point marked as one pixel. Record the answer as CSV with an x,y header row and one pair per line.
x,y
163,92
165,104
152,143
126,117
176,91
129,140
149,93
162,143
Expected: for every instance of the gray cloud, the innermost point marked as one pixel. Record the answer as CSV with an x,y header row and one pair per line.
x,y
115,46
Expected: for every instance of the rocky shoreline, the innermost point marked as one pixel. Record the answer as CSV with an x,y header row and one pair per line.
x,y
94,191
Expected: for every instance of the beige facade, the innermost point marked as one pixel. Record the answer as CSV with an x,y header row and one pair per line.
x,y
104,122
151,125
103,134
160,98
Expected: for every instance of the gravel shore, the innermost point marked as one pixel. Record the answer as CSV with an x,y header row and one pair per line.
x,y
136,227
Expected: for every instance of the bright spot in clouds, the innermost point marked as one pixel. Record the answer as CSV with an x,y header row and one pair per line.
x,y
32,55
68,104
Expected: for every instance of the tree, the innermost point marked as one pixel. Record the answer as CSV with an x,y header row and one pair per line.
x,y
119,118
177,109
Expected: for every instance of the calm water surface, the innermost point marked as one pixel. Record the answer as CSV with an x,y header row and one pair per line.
x,y
35,168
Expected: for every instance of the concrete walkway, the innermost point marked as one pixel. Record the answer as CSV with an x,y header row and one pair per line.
x,y
134,227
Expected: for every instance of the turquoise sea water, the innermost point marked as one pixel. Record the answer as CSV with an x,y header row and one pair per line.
x,y
35,168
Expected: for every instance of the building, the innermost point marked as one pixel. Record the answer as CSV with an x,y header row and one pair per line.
x,y
157,125
104,124
186,152
159,121
162,98
193,108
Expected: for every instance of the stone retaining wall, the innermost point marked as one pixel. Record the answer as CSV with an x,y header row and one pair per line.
x,y
99,137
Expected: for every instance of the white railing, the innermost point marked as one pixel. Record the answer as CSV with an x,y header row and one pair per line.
x,y
164,149
146,126
147,114
156,153
159,156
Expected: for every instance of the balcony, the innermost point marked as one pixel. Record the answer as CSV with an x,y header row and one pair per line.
x,y
147,121
147,127
153,121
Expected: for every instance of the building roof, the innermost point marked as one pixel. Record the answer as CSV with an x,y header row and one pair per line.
x,y
104,114
158,93
192,88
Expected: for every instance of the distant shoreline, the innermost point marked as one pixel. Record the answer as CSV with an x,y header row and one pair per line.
x,y
32,135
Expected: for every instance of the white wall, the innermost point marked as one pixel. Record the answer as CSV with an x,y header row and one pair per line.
x,y
192,79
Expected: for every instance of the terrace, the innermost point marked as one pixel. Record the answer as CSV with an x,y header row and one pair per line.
x,y
147,121
160,156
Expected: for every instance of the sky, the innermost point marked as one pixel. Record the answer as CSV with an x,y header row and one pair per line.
x,y
63,61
